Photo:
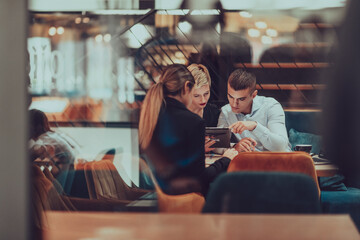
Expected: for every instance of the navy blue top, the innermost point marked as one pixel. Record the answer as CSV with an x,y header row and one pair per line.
x,y
177,152
211,115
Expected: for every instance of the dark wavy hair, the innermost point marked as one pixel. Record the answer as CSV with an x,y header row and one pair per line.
x,y
39,123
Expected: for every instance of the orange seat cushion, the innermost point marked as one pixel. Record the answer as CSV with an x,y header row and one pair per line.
x,y
296,162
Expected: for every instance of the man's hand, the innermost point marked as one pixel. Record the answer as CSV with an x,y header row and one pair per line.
x,y
246,145
241,126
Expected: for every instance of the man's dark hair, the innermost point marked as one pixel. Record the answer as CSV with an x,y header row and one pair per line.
x,y
240,80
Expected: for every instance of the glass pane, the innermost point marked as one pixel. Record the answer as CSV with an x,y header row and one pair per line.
x,y
91,70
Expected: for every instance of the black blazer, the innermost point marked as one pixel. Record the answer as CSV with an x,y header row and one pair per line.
x,y
177,153
211,115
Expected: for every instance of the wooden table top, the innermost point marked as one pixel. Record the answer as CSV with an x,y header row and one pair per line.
x,y
326,170
322,169
90,225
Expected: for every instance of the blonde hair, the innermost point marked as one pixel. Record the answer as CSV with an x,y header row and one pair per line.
x,y
172,82
200,74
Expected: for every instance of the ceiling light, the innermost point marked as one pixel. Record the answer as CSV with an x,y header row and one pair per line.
x,y
98,38
261,25
52,31
107,37
245,14
266,40
78,20
253,32
60,30
271,32
86,20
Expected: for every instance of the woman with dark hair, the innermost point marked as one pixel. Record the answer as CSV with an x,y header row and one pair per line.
x,y
47,144
39,123
173,138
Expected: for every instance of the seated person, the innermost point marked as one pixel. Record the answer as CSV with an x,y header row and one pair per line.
x,y
258,122
45,144
201,94
172,138
200,97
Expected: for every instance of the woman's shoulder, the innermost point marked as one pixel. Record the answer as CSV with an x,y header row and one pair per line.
x,y
179,113
181,118
188,116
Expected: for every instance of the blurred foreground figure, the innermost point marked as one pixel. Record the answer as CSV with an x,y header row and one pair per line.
x,y
342,100
47,145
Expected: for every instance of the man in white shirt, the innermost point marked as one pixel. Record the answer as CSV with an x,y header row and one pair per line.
x,y
257,122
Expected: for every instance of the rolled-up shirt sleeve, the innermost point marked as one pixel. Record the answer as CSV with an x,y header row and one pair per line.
x,y
273,136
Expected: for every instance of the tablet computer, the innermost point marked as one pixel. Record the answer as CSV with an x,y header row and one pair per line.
x,y
220,135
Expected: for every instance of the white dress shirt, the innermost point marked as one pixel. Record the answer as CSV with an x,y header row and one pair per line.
x,y
270,132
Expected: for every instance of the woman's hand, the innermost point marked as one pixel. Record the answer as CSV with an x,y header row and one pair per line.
x,y
208,144
230,153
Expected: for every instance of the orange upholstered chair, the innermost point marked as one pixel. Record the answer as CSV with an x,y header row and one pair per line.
x,y
105,182
48,194
45,194
296,162
183,203
80,165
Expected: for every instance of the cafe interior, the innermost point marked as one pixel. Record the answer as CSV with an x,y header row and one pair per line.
x,y
86,70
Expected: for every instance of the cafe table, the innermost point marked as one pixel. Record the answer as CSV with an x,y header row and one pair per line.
x,y
154,226
322,169
325,170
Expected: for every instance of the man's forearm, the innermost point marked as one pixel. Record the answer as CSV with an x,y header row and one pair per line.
x,y
271,141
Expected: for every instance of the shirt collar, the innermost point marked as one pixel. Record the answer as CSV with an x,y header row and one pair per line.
x,y
255,105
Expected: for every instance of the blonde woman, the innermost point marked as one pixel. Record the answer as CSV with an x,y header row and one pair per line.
x,y
172,137
201,94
